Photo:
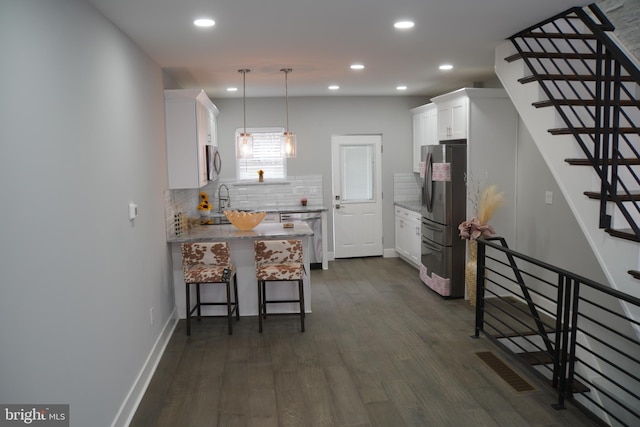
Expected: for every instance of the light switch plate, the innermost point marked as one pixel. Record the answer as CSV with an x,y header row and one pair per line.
x,y
133,211
548,197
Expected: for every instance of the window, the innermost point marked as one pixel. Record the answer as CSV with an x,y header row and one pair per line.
x,y
267,155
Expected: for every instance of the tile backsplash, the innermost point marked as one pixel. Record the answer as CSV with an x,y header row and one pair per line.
x,y
250,195
406,187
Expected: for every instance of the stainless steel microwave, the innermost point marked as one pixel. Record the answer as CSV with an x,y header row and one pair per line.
x,y
214,162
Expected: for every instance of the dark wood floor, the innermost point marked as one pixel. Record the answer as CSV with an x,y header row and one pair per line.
x,y
379,349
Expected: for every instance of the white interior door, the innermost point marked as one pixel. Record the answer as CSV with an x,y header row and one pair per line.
x,y
357,195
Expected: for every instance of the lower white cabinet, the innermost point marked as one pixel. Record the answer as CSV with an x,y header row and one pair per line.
x,y
408,235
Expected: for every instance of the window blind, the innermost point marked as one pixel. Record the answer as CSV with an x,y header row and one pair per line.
x,y
267,155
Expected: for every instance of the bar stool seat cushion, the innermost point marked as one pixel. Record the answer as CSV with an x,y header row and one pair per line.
x,y
284,271
201,273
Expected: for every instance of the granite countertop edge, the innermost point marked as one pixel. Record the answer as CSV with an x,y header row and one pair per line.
x,y
412,206
274,209
227,232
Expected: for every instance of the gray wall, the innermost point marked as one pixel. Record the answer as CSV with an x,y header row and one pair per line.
x,y
81,135
548,232
314,120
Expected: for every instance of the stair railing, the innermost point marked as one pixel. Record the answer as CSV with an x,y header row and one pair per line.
x,y
588,78
594,361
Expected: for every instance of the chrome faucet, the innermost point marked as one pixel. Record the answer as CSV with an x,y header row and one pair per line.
x,y
223,202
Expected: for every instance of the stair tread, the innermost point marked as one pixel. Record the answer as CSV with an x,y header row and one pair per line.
x,y
623,233
588,130
578,387
582,102
544,358
550,55
511,334
536,357
573,36
568,77
586,162
633,196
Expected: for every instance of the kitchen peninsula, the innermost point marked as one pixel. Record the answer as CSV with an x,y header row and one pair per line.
x,y
242,255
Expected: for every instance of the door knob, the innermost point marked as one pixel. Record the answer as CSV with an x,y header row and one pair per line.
x,y
337,206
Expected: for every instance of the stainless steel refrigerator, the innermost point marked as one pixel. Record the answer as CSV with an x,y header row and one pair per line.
x,y
444,196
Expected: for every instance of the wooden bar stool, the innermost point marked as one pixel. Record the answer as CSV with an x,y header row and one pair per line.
x,y
209,263
278,261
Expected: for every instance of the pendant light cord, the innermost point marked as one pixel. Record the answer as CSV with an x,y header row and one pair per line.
x,y
286,72
244,72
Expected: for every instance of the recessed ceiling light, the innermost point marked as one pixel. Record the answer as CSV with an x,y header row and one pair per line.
x,y
232,89
404,25
334,87
204,22
357,67
401,88
446,67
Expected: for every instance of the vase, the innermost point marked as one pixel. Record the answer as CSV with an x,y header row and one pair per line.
x,y
205,217
471,272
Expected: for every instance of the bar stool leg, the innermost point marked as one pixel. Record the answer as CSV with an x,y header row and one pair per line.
x,y
198,301
260,304
188,305
235,293
264,299
301,296
228,286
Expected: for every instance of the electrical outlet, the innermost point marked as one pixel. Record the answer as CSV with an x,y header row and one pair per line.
x,y
151,315
548,197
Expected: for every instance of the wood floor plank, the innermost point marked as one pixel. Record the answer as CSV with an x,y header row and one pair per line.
x,y
384,414
380,349
347,406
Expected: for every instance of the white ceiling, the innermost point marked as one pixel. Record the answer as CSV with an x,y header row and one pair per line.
x,y
319,40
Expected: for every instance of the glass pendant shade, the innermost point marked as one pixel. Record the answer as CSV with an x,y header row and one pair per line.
x,y
244,146
289,144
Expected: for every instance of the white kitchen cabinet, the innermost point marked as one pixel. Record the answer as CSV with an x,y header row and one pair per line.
x,y
452,116
407,224
425,130
190,122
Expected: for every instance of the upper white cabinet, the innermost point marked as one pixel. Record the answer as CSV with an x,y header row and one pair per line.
x,y
425,130
190,119
452,116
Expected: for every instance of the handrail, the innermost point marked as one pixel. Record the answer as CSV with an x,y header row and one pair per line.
x,y
525,292
595,355
573,58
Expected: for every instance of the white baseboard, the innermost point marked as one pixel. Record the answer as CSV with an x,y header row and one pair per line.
x,y
386,253
134,397
390,253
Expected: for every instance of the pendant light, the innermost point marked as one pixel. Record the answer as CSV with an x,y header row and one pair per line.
x,y
244,142
288,139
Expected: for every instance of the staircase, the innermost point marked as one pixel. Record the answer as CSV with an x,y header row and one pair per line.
x,y
578,92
